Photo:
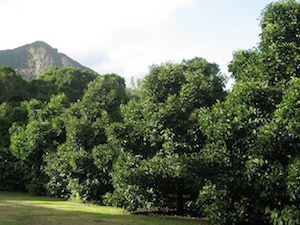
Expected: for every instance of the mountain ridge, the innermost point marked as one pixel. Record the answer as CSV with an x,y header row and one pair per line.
x,y
33,59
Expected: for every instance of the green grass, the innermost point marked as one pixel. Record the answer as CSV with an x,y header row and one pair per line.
x,y
24,209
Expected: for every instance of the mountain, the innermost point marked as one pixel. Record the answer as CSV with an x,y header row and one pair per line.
x,y
33,59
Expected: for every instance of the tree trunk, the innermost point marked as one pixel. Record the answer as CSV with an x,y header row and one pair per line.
x,y
180,199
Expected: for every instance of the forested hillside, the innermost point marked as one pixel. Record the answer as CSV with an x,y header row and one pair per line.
x,y
177,141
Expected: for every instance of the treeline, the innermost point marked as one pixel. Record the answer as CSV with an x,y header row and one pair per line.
x,y
177,141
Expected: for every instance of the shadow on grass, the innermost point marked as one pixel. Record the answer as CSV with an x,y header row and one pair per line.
x,y
23,209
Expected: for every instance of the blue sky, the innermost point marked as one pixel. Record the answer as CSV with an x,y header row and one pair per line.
x,y
127,36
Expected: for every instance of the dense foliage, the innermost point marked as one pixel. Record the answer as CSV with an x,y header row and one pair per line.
x,y
252,149
159,137
177,141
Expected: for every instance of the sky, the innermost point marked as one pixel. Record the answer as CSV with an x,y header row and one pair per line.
x,y
128,36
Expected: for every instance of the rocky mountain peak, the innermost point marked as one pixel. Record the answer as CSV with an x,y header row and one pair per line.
x,y
33,59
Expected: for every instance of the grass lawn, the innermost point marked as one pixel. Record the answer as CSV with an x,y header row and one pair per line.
x,y
24,209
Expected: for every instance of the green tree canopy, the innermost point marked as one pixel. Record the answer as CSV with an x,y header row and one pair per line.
x,y
13,87
81,167
158,133
70,81
251,151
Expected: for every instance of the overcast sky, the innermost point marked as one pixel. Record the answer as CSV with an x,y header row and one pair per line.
x,y
127,36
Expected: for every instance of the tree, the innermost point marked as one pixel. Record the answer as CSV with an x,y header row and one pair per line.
x,y
13,87
12,169
231,128
13,90
70,81
251,151
247,65
81,168
40,136
280,44
158,135
278,156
